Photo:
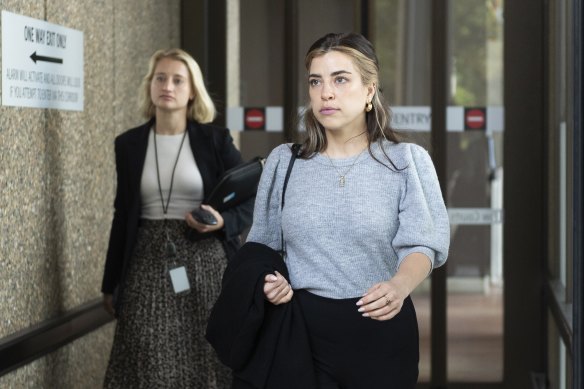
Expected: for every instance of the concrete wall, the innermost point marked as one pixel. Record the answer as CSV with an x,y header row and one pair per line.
x,y
57,180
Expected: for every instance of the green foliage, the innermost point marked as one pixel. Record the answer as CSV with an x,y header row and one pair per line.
x,y
464,97
472,23
468,48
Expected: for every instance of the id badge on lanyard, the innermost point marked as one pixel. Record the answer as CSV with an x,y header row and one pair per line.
x,y
177,271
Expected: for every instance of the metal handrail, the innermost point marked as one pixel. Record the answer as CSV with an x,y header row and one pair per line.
x,y
25,346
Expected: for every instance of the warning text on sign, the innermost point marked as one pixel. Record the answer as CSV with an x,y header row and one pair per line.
x,y
42,64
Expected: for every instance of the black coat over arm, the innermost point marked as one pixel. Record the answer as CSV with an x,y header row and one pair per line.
x,y
266,345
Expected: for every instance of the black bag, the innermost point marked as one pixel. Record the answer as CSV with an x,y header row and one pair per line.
x,y
236,185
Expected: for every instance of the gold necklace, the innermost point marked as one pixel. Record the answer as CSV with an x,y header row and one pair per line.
x,y
342,177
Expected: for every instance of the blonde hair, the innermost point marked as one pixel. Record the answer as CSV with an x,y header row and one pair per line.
x,y
200,109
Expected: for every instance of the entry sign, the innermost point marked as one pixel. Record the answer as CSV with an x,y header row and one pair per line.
x,y
475,118
42,64
255,118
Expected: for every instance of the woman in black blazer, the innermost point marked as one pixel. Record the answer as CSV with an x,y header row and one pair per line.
x,y
163,268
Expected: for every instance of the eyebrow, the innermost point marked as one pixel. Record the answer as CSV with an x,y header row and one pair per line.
x,y
332,74
172,75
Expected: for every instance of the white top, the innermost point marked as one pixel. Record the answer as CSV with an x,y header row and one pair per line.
x,y
187,188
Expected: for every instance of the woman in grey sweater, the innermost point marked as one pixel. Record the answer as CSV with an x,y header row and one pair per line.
x,y
364,224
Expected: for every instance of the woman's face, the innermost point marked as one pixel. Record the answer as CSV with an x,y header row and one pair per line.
x,y
170,89
337,94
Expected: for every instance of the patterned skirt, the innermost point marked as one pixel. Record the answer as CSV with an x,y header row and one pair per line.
x,y
160,340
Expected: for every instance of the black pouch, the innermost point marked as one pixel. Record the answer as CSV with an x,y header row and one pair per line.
x,y
236,185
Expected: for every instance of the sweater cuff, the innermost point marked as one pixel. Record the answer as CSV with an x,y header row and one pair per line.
x,y
429,253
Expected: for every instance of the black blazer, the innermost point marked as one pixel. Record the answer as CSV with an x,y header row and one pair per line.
x,y
214,153
266,345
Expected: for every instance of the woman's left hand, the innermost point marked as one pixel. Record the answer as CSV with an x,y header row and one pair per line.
x,y
205,228
383,300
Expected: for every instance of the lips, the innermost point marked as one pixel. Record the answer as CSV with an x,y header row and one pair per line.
x,y
328,111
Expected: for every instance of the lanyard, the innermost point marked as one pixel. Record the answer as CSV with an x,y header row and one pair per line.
x,y
170,247
165,207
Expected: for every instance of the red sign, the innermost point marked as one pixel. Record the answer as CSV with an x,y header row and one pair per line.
x,y
255,118
475,119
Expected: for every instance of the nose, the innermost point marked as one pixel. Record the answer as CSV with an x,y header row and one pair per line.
x,y
167,85
326,93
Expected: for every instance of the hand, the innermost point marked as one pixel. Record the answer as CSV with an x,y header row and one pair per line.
x,y
204,228
277,289
108,304
383,300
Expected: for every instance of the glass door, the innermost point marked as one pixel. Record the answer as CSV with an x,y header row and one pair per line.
x,y
461,307
475,191
473,294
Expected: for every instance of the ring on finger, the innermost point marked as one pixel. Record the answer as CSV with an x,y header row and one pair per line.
x,y
387,300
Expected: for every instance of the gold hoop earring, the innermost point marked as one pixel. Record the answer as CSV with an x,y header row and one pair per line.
x,y
368,107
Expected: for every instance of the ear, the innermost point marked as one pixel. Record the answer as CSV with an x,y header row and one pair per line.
x,y
371,91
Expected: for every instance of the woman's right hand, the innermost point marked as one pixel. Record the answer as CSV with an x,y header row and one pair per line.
x,y
108,304
277,289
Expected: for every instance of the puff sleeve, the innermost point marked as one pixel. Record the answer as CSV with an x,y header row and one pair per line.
x,y
267,218
423,219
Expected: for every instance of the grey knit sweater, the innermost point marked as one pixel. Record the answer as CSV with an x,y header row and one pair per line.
x,y
342,240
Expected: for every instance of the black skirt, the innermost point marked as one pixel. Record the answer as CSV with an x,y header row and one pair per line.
x,y
355,352
159,339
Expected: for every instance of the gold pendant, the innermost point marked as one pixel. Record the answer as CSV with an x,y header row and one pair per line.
x,y
342,181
